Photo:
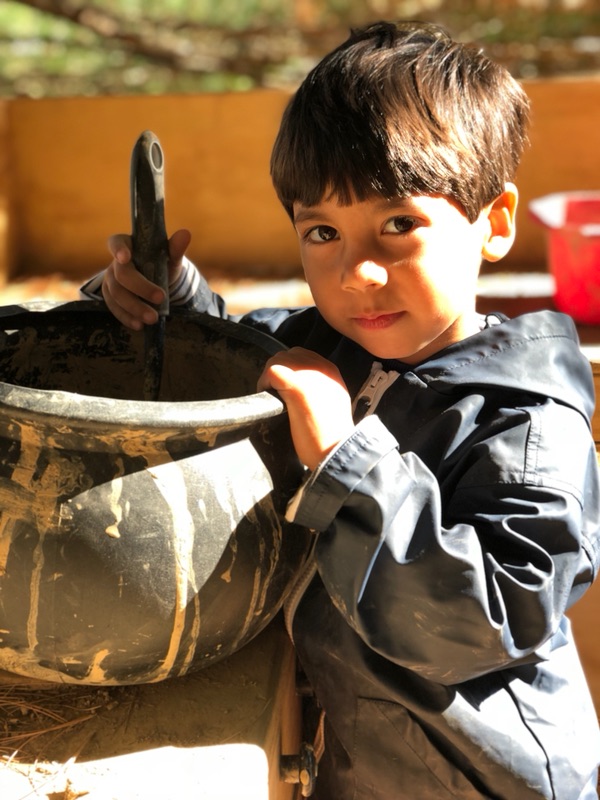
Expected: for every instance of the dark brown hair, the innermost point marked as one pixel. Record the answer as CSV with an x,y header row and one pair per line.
x,y
400,110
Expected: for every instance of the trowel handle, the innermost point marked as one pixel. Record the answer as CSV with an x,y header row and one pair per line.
x,y
150,247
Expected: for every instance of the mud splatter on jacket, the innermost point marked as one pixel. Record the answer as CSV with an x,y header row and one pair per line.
x,y
457,525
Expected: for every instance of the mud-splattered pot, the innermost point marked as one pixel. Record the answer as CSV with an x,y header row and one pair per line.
x,y
138,540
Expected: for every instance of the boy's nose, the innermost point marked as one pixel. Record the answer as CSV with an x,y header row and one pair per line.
x,y
364,275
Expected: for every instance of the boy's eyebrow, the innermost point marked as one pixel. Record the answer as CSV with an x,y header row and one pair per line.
x,y
307,213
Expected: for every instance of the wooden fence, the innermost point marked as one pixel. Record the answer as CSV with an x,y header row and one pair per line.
x,y
64,176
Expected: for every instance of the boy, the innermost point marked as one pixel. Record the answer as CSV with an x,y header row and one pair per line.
x,y
452,475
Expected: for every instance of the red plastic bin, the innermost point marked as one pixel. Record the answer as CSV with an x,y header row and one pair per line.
x,y
572,222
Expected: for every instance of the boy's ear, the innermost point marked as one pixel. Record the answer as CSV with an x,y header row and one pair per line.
x,y
501,215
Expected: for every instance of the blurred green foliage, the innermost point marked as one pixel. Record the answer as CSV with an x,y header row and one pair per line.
x,y
66,47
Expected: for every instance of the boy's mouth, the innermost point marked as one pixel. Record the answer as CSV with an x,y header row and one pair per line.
x,y
378,321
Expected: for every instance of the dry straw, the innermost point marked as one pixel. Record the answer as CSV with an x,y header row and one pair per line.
x,y
27,713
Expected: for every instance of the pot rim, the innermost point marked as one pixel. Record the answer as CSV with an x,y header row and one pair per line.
x,y
58,406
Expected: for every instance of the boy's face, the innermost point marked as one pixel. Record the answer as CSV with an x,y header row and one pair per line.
x,y
399,277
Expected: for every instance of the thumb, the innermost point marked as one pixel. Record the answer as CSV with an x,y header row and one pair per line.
x,y
178,244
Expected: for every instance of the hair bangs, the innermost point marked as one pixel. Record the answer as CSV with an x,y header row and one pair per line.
x,y
342,154
398,111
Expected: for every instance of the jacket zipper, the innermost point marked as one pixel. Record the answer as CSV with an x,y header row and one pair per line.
x,y
367,399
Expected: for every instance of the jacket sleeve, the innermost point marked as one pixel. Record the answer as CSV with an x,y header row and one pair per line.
x,y
459,593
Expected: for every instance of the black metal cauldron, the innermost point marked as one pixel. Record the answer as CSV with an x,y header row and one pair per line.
x,y
139,540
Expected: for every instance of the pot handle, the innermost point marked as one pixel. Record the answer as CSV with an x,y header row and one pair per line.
x,y
150,246
149,235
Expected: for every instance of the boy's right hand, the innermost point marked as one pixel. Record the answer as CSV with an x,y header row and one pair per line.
x,y
127,293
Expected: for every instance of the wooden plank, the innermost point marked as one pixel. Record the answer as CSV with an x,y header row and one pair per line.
x,y
563,154
584,615
6,217
71,159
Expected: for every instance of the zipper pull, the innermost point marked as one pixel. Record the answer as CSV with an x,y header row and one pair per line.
x,y
367,400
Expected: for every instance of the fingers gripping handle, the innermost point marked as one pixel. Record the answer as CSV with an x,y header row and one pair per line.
x,y
150,249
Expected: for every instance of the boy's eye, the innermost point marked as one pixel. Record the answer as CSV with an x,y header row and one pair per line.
x,y
399,224
321,233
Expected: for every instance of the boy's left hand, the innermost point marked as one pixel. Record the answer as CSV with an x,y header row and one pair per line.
x,y
318,403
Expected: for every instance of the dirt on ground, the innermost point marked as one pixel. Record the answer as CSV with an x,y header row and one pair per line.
x,y
60,742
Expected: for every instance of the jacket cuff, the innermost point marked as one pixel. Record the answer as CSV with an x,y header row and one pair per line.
x,y
92,288
181,292
318,501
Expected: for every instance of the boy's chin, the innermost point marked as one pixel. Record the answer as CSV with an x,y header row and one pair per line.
x,y
406,354
389,353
